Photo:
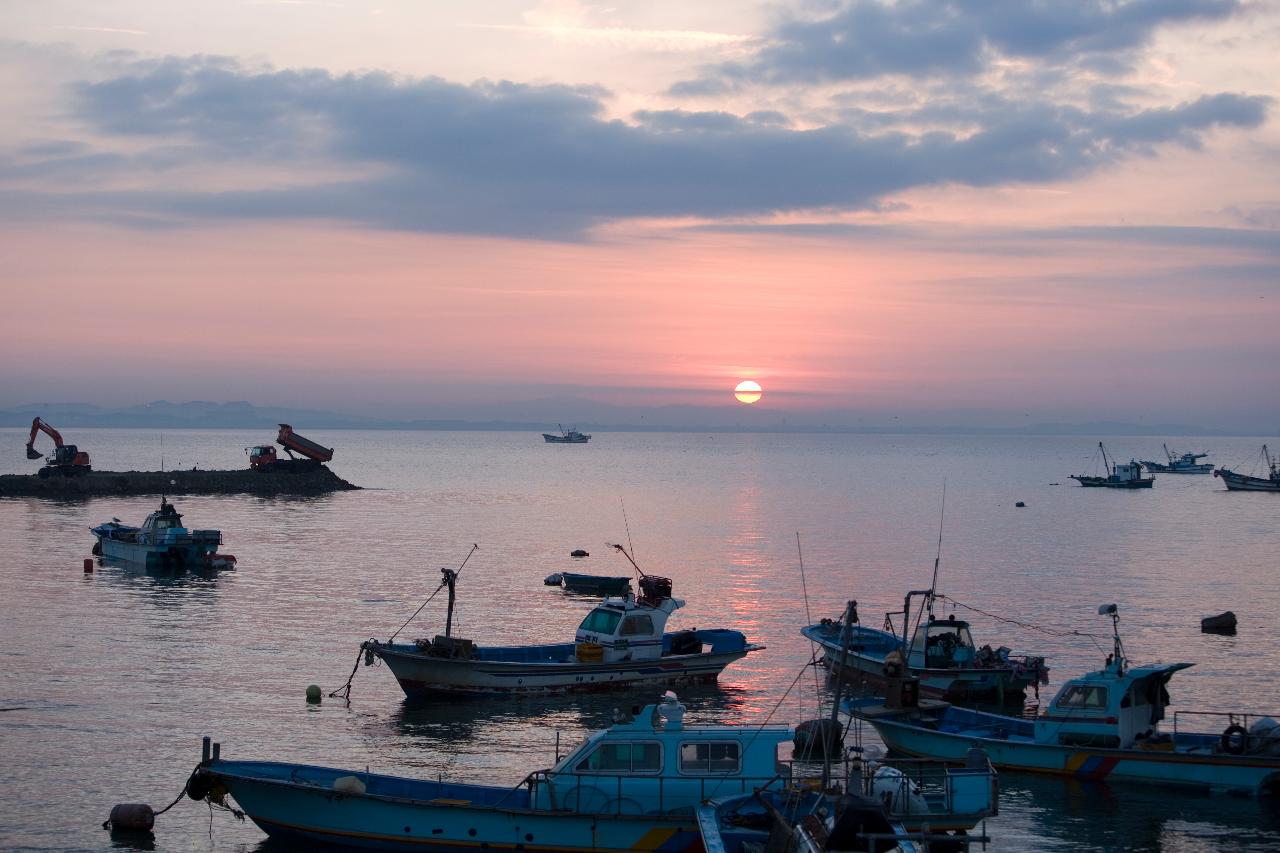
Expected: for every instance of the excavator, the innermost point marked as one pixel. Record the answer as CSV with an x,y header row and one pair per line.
x,y
67,459
263,457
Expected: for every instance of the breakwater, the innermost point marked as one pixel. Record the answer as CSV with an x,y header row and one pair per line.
x,y
189,482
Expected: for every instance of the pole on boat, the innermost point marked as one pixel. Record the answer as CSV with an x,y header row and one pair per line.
x,y
850,609
451,581
937,558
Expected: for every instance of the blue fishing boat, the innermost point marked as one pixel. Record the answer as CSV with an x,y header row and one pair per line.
x,y
1120,475
1102,725
941,653
162,542
633,786
622,642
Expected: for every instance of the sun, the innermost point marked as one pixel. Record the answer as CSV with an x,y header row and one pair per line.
x,y
748,391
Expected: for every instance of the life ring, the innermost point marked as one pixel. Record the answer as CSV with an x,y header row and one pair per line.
x,y
1234,739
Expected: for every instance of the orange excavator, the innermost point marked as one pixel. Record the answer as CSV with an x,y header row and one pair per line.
x,y
67,459
263,457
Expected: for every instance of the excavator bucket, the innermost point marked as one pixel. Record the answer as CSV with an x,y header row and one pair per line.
x,y
32,453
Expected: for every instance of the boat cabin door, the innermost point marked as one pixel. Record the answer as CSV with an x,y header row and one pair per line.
x,y
942,644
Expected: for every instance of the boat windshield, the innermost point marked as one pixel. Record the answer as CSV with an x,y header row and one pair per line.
x,y
602,620
629,757
1085,696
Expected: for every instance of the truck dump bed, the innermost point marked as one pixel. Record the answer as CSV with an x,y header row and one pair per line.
x,y
305,446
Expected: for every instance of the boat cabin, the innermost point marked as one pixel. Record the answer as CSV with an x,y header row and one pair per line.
x,y
627,628
1125,472
1114,707
942,644
654,763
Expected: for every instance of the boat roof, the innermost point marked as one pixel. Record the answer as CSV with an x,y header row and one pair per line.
x,y
644,724
1135,673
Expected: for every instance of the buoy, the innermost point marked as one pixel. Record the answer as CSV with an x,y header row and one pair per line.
x,y
313,694
1020,504
553,579
578,553
137,817
1223,623
88,565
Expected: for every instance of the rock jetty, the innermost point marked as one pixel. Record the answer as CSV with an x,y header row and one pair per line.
x,y
314,481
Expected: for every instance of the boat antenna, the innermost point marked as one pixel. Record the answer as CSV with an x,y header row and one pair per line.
x,y
449,580
937,558
1118,649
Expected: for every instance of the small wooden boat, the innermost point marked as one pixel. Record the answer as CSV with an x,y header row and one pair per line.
x,y
566,436
1102,725
622,642
633,786
162,542
1187,463
595,584
1245,483
1119,476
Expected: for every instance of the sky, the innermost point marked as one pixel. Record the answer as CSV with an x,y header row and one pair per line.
x,y
977,212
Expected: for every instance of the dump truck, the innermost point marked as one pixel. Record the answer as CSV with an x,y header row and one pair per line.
x,y
263,457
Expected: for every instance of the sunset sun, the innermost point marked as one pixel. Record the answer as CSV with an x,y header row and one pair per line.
x,y
748,391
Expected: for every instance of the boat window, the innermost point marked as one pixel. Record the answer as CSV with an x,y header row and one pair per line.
x,y
628,757
601,621
710,757
642,624
1085,696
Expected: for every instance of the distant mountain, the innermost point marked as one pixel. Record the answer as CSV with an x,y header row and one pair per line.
x,y
541,415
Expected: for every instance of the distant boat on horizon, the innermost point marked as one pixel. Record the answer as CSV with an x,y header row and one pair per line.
x,y
1122,475
566,436
1187,463
1244,483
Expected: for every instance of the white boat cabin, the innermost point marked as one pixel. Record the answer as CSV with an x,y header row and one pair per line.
x,y
627,629
942,644
1115,707
640,766
1125,472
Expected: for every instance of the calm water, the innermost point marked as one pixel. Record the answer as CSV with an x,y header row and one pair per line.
x,y
108,680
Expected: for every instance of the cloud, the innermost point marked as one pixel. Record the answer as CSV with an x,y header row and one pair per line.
x,y
425,154
866,39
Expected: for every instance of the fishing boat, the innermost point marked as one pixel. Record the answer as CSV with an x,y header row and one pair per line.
x,y
1245,483
941,653
162,542
633,786
595,584
1119,475
566,436
622,642
1105,724
1187,463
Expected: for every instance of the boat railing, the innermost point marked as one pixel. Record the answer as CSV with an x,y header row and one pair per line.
x,y
1241,720
590,793
969,792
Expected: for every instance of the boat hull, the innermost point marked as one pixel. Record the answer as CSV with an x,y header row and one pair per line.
x,y
1243,483
1108,483
1252,774
423,675
1157,468
865,662
457,818
192,556
595,584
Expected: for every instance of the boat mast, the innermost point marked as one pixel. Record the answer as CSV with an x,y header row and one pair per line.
x,y
1167,453
1105,461
850,614
937,558
451,581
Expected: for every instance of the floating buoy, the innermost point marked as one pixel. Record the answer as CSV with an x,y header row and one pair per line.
x,y
579,553
553,580
134,817
88,565
313,694
1021,504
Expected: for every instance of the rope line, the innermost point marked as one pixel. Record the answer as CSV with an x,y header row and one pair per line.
x,y
1050,631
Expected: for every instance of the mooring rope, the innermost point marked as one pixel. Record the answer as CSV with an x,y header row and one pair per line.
x,y
1050,631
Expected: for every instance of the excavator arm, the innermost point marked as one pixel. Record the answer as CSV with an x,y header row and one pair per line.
x,y
38,426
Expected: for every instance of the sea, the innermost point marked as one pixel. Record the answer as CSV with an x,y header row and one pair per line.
x,y
108,680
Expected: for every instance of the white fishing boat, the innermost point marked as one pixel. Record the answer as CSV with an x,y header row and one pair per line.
x,y
1187,463
622,642
162,542
1246,483
1106,724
